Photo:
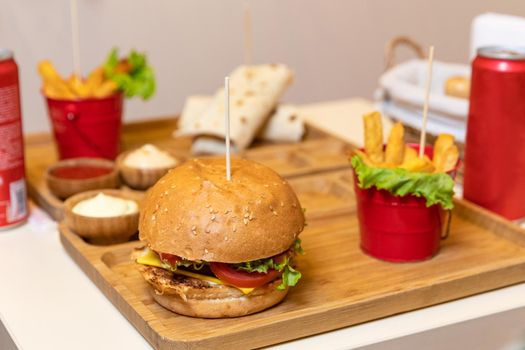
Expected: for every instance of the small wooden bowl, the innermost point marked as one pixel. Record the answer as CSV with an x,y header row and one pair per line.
x,y
102,231
64,188
141,178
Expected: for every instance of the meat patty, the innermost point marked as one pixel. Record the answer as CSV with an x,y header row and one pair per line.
x,y
169,283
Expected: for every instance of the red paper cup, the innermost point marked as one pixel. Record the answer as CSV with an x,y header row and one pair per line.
x,y
399,229
87,128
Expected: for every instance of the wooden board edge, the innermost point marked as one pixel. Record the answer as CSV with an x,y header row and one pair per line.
x,y
55,213
497,224
322,321
380,308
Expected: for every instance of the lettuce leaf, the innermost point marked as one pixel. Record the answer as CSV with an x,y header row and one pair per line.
x,y
261,265
436,188
290,276
139,80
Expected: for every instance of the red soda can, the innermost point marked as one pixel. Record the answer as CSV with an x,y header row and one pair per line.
x,y
494,175
13,195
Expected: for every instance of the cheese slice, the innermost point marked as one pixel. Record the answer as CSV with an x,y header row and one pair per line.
x,y
150,258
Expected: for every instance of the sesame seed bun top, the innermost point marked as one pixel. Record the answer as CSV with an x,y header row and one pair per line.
x,y
195,213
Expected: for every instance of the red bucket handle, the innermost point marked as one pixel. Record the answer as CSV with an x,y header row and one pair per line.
x,y
445,233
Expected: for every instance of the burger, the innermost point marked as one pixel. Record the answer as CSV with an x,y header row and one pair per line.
x,y
216,247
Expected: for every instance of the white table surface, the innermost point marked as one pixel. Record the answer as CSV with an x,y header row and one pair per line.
x,y
47,302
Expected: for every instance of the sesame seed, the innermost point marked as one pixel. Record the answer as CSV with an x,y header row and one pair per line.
x,y
193,228
234,228
213,217
208,205
153,218
246,215
227,211
282,204
225,238
211,211
274,212
271,207
245,221
205,250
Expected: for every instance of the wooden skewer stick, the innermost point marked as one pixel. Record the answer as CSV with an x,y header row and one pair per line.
x,y
227,127
75,37
422,138
247,34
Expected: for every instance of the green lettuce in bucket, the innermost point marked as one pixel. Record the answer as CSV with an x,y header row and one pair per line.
x,y
133,75
436,188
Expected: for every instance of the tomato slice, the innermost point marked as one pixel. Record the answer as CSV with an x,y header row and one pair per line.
x,y
170,258
244,279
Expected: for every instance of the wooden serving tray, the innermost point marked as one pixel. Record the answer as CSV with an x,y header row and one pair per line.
x,y
340,287
318,152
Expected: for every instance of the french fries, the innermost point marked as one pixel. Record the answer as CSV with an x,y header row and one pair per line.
x,y
410,154
374,136
419,165
398,155
446,153
105,89
395,147
365,158
75,87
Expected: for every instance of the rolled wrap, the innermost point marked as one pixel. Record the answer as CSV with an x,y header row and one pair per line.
x,y
254,93
284,125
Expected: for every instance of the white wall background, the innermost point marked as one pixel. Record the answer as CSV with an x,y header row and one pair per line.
x,y
334,46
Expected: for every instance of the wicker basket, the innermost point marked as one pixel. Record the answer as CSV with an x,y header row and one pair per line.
x,y
401,93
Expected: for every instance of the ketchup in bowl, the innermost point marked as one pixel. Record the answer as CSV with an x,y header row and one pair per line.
x,y
80,172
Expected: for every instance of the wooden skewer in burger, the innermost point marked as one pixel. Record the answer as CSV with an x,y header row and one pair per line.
x,y
220,246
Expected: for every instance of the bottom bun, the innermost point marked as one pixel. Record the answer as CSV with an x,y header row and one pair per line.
x,y
196,298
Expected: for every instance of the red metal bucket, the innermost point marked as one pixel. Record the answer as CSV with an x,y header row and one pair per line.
x,y
87,128
399,229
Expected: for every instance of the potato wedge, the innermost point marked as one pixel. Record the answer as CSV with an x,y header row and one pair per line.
x,y
409,154
58,92
48,72
374,137
79,88
107,88
419,165
365,158
448,159
443,142
95,79
395,147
